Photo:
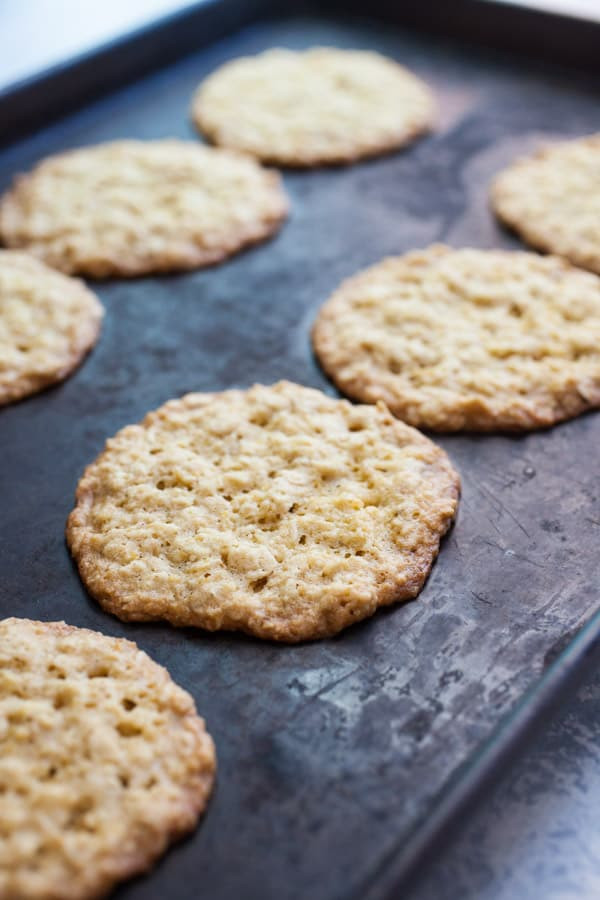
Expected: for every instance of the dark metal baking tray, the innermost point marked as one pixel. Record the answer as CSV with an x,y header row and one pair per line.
x,y
342,762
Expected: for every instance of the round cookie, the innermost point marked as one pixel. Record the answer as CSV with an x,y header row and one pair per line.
x,y
135,207
314,107
480,340
48,322
103,761
552,199
277,511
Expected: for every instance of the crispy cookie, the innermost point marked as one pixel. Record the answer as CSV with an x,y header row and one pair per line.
x,y
48,322
103,761
552,199
466,339
132,207
276,511
313,107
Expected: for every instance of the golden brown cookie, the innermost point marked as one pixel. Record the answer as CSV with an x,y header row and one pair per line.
x,y
48,322
277,511
134,207
480,340
313,107
103,761
552,199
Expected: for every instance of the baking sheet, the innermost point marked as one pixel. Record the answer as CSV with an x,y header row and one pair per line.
x,y
331,754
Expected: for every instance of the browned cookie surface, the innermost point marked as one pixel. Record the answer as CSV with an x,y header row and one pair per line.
x,y
277,511
136,207
103,761
552,199
318,106
48,322
479,340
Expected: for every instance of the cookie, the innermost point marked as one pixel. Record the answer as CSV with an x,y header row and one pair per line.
x,y
314,107
135,207
552,199
103,761
48,322
479,340
277,511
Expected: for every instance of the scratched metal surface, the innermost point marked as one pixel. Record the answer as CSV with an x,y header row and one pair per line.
x,y
538,833
330,753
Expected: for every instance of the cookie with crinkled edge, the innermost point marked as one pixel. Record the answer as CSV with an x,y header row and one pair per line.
x,y
48,322
318,106
103,761
552,200
277,511
135,207
480,340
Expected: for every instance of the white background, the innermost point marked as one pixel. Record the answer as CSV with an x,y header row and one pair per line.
x,y
35,34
